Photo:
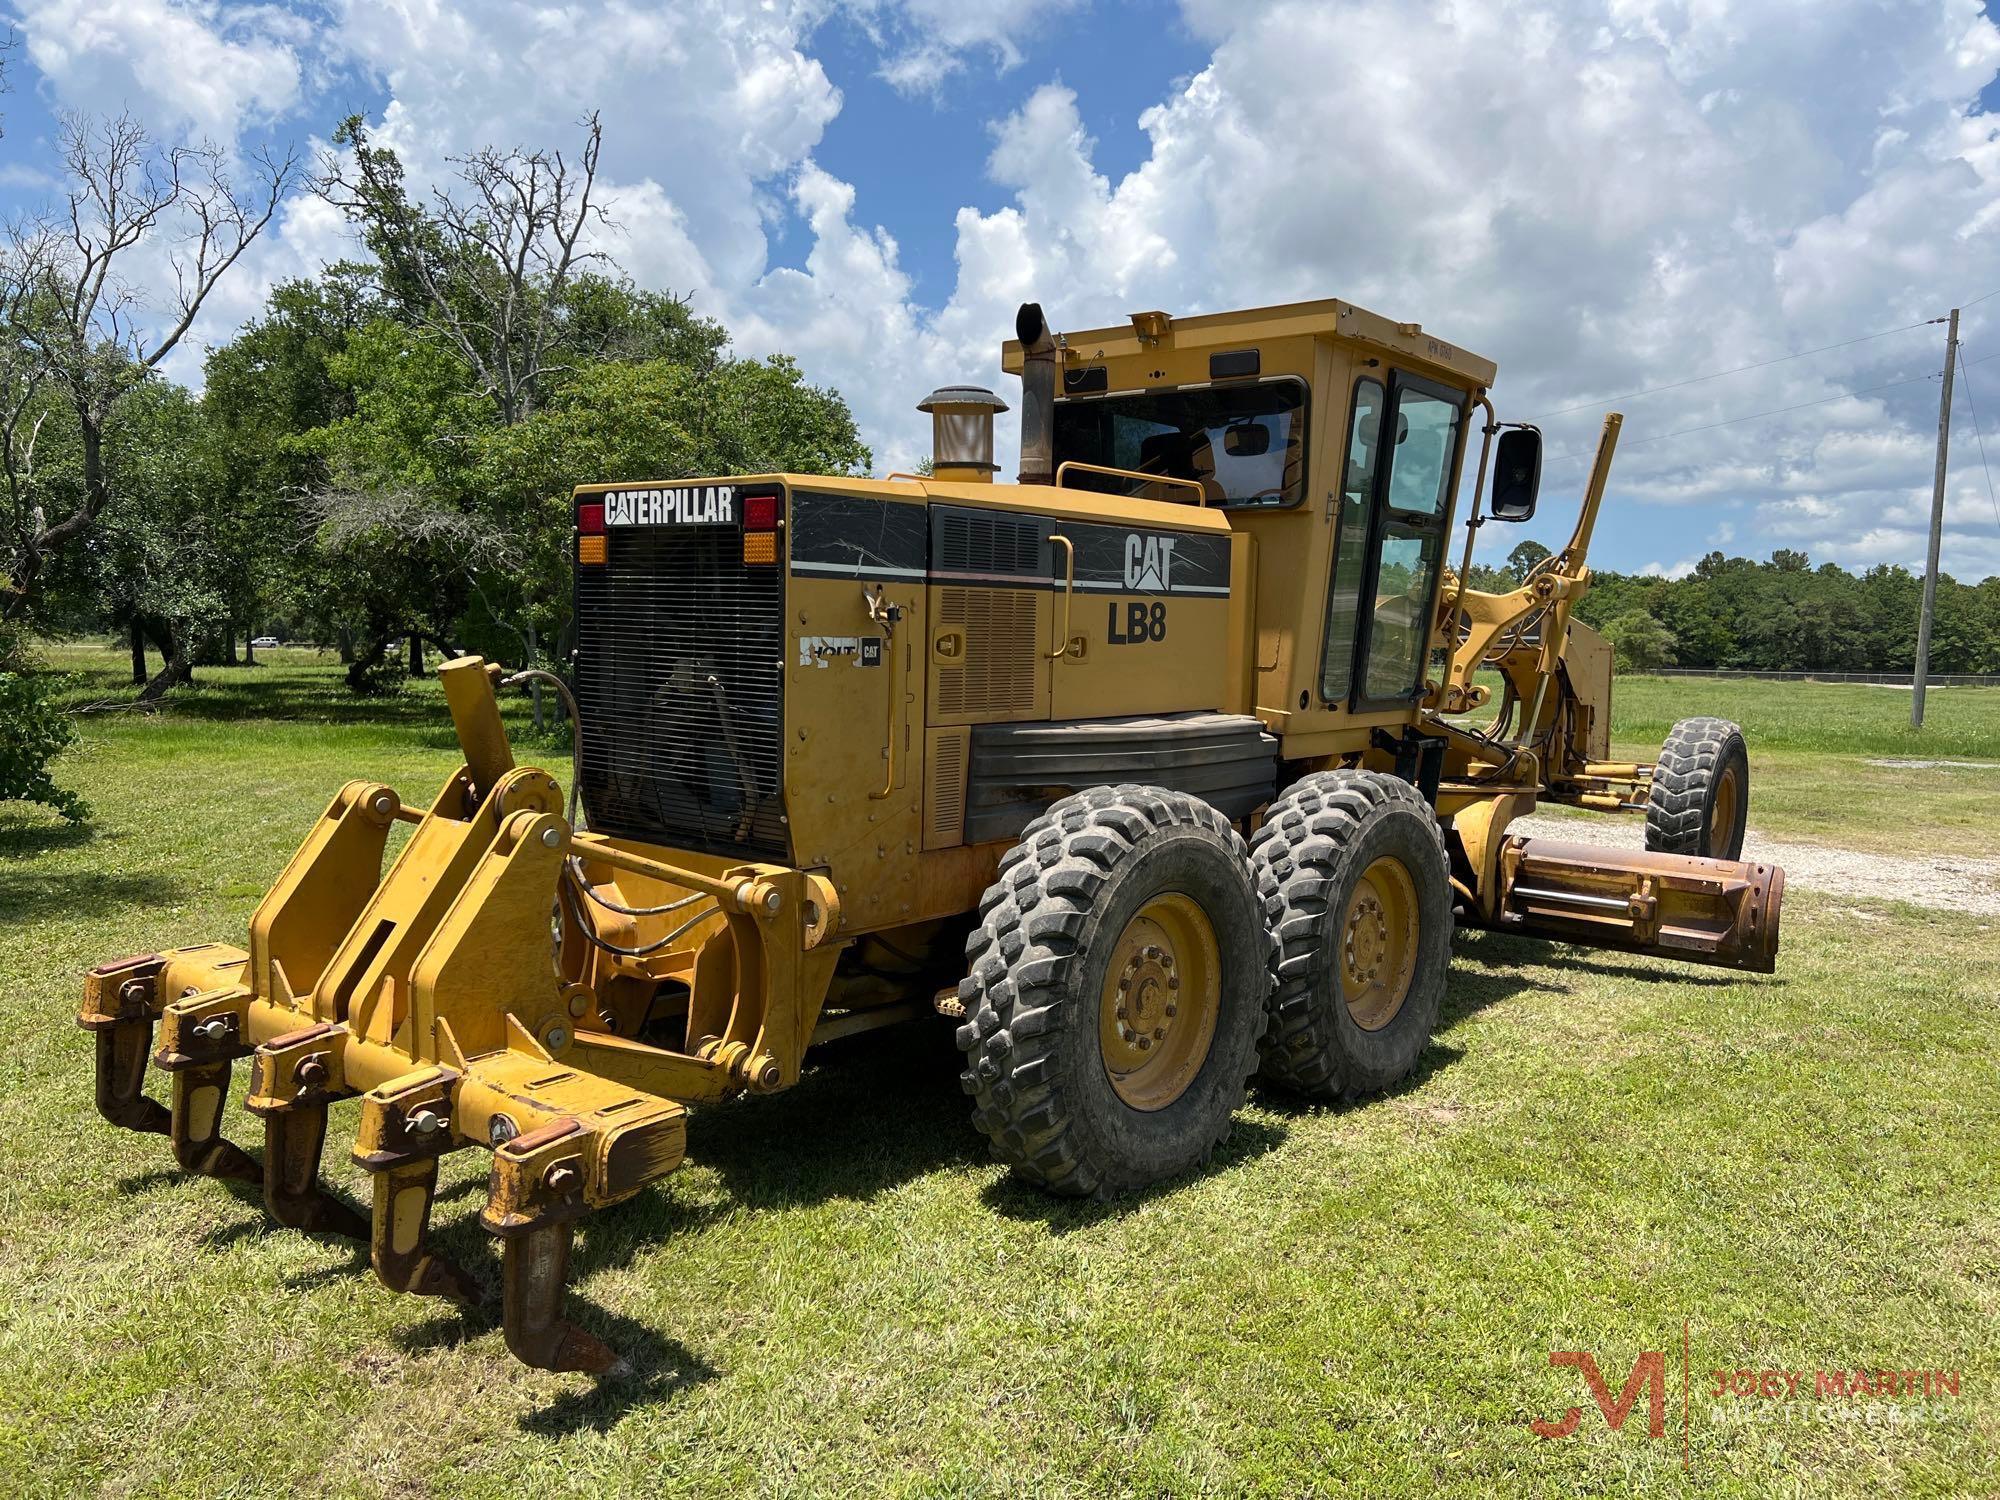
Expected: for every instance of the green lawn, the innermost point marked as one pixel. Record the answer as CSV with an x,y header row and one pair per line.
x,y
840,1294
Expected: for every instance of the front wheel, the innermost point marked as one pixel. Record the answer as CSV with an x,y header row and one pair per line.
x,y
1700,798
1352,869
1116,991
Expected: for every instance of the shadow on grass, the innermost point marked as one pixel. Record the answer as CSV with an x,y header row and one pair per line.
x,y
30,896
1502,956
872,1113
20,838
1024,1201
415,714
659,1368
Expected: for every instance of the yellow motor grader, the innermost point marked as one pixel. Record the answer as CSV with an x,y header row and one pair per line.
x,y
1172,764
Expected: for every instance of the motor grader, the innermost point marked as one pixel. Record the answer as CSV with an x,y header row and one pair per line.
x,y
1172,764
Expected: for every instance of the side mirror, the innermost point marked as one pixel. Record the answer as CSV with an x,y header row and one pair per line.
x,y
1517,473
1246,440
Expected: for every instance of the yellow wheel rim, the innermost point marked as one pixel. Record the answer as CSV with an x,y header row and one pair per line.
x,y
1378,944
1722,817
1162,990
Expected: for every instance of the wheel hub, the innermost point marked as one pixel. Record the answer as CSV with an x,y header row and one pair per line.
x,y
1378,943
1162,990
1367,940
1148,995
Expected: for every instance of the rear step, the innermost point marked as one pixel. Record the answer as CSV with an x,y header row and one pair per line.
x,y
1704,911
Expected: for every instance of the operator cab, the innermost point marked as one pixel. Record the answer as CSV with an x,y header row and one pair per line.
x,y
1332,437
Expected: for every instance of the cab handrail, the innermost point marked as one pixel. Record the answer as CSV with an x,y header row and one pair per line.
x,y
1200,493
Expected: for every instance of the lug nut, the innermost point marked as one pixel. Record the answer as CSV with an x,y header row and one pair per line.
x,y
1145,1042
1172,1011
1159,1033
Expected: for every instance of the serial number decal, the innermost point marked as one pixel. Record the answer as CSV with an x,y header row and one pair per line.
x,y
701,505
1134,621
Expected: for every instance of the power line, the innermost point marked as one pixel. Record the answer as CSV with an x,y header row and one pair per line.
x,y
1977,300
1969,406
1779,411
1738,370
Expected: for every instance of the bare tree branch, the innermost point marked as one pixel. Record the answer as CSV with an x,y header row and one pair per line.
x,y
346,514
70,315
484,263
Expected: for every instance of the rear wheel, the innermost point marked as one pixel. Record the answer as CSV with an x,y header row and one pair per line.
x,y
1351,866
1700,797
1116,991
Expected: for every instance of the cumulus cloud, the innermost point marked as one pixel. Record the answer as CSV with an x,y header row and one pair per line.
x,y
1604,198
924,42
196,65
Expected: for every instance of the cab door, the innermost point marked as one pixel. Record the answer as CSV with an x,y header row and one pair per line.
x,y
1402,456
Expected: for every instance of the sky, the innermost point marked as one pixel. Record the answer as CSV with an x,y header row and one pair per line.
x,y
1604,198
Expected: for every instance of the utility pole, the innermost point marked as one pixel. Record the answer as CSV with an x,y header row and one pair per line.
x,y
1937,528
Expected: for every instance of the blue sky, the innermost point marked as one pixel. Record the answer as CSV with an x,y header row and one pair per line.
x,y
1604,198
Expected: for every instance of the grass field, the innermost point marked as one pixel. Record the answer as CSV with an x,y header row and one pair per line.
x,y
839,1294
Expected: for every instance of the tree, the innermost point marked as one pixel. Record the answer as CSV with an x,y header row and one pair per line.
x,y
653,419
166,558
1523,558
76,322
33,731
1640,642
266,393
392,520
486,267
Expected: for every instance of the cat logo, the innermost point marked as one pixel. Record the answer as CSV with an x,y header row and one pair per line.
x,y
1149,563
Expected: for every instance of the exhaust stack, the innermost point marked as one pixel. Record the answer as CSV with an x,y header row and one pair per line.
x,y
1039,362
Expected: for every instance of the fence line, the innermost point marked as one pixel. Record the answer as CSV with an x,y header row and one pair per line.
x,y
1892,679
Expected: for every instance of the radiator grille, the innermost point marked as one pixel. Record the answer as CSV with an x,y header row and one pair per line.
x,y
998,674
679,681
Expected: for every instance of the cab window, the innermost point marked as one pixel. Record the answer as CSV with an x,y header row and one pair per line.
x,y
1411,545
1350,547
1243,444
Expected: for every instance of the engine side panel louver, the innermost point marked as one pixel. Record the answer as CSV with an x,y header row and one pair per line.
x,y
984,544
679,681
998,670
944,787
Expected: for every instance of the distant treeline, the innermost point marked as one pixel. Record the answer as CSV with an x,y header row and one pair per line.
x,y
1783,615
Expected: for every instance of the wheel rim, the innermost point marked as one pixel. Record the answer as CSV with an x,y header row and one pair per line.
x,y
1378,944
1722,816
1162,990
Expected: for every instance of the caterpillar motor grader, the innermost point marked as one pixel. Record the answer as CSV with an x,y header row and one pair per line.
x,y
1171,764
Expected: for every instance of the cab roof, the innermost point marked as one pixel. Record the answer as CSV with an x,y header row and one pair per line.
x,y
1327,318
